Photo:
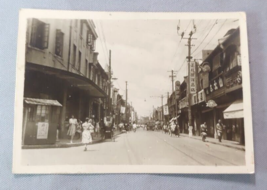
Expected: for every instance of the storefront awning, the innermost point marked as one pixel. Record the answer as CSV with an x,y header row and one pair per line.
x,y
235,110
174,118
44,102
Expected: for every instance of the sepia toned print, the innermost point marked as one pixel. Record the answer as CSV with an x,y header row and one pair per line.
x,y
132,93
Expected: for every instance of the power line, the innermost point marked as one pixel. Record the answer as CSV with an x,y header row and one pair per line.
x,y
205,36
101,41
213,36
104,35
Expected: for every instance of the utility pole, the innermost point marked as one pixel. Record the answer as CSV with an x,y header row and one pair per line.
x,y
172,76
110,77
161,103
188,76
126,102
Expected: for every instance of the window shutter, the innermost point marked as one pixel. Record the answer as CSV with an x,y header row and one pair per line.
x,y
45,36
34,31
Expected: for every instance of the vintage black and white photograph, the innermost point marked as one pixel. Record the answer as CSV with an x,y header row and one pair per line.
x,y
132,93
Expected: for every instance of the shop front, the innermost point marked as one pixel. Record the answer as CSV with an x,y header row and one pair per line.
x,y
41,119
234,119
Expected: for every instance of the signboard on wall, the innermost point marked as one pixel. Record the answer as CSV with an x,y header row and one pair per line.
x,y
192,78
166,110
122,110
177,89
42,130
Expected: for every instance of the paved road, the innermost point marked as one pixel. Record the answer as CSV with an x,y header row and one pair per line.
x,y
142,147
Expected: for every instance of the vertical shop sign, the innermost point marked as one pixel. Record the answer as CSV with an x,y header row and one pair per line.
x,y
192,78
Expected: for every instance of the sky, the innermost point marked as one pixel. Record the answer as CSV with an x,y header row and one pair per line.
x,y
144,51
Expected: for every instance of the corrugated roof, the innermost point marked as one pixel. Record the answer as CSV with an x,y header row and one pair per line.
x,y
44,102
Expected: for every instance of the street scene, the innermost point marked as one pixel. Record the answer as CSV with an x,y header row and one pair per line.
x,y
144,148
133,92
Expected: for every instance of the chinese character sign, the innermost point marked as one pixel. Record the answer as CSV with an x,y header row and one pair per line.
x,y
165,110
192,78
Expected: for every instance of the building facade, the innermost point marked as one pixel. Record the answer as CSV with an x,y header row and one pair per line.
x,y
62,65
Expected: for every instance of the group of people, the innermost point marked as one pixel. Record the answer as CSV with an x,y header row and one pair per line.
x,y
219,130
127,127
86,130
172,128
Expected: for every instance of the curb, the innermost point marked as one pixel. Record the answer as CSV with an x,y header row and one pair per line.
x,y
62,145
229,146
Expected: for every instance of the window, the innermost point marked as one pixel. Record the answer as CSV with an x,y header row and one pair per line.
x,y
42,113
39,34
93,45
59,43
89,38
86,68
79,61
74,55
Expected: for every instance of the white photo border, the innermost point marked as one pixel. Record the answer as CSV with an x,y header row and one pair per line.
x,y
18,168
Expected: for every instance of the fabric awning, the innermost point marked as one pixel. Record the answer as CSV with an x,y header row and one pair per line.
x,y
174,118
235,110
44,102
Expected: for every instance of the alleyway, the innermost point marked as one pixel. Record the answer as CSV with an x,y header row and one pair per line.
x,y
142,147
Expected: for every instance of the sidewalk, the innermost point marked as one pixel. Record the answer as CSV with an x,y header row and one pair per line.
x,y
227,143
65,143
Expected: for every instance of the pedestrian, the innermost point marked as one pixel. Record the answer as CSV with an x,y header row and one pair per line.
x,y
219,129
72,127
79,128
203,128
173,128
97,128
86,135
91,128
190,130
134,126
177,129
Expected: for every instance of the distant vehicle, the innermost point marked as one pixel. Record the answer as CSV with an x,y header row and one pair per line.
x,y
151,126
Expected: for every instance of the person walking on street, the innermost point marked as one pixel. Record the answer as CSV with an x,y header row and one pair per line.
x,y
134,126
91,128
219,129
177,129
203,128
97,129
86,135
72,127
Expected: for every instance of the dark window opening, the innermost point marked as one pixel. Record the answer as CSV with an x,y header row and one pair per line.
x,y
39,34
59,43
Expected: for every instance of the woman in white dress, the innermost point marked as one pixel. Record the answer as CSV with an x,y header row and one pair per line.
x,y
72,127
86,135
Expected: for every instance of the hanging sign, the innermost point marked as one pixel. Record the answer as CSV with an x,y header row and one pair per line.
x,y
192,78
122,109
166,110
42,130
177,90
211,104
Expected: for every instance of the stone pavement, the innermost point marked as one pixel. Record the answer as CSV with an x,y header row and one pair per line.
x,y
227,143
65,143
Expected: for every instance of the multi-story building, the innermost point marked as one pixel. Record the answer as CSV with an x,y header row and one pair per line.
x,y
220,87
62,65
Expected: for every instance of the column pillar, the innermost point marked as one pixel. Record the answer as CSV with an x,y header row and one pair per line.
x,y
64,107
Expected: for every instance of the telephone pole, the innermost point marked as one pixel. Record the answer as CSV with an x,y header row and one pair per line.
x,y
172,76
189,57
110,77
